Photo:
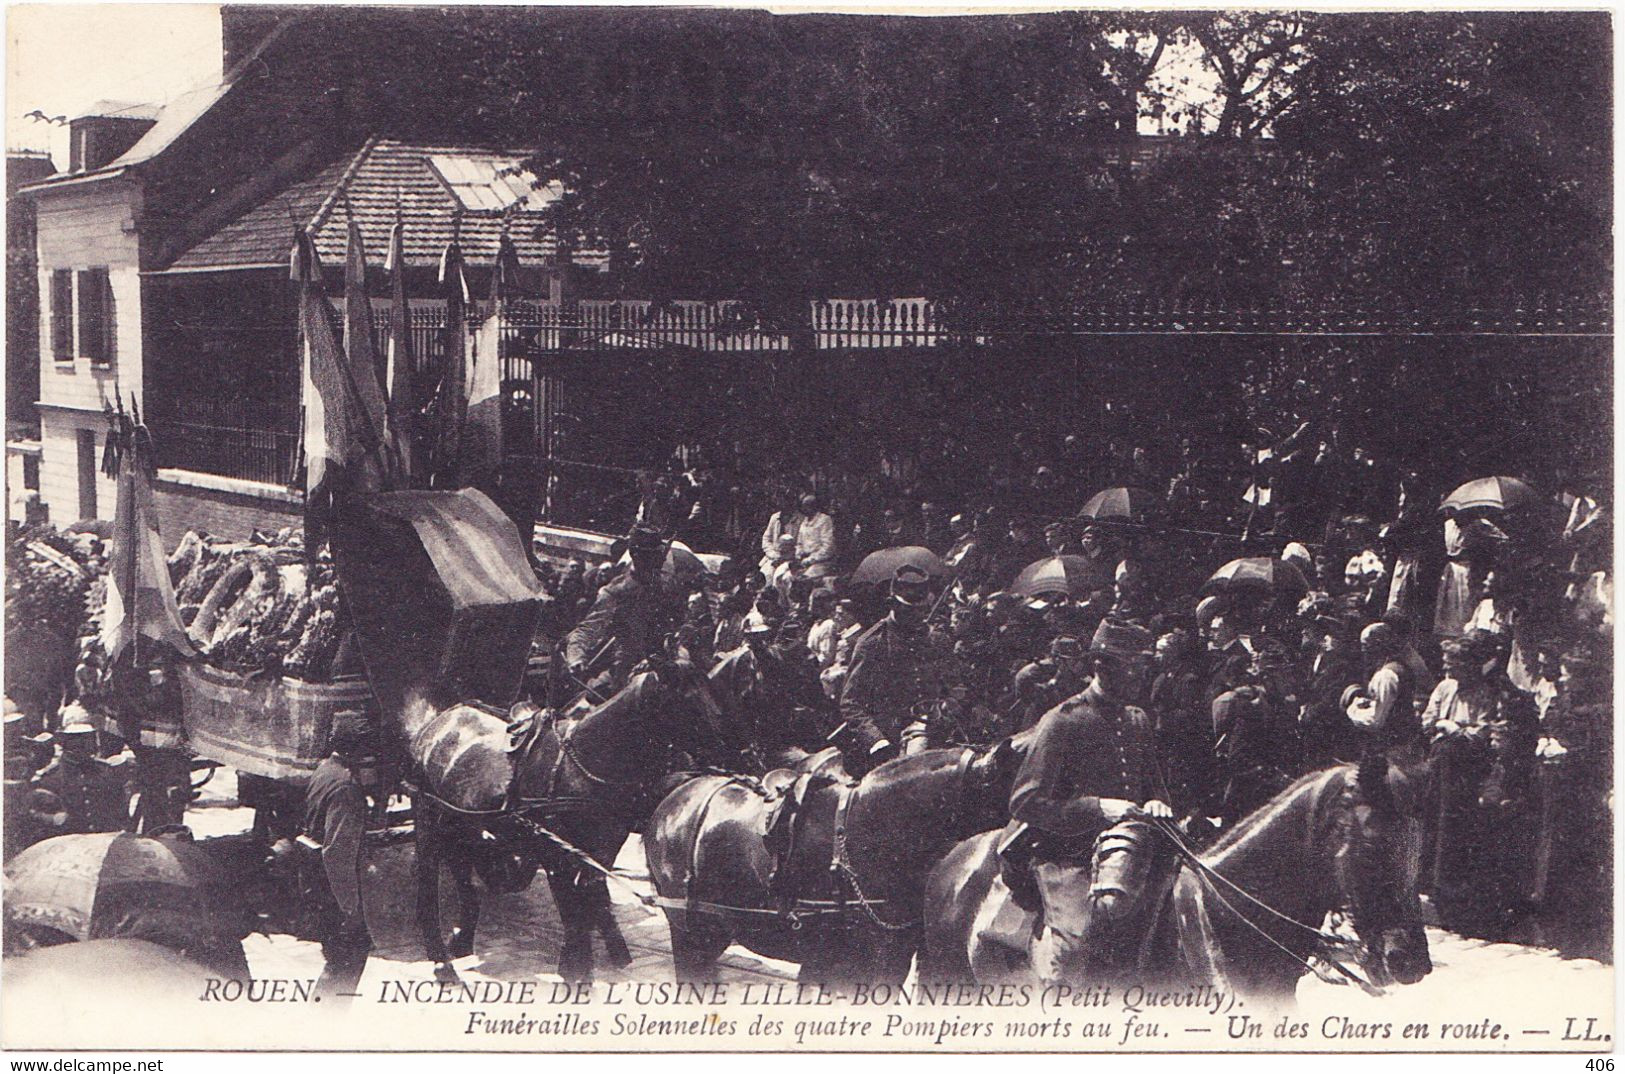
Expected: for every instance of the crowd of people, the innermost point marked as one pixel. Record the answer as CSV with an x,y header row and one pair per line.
x,y
1363,617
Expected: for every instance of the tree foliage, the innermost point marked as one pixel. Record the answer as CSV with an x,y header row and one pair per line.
x,y
1394,158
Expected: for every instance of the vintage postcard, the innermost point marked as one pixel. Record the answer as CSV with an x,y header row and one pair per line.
x,y
610,529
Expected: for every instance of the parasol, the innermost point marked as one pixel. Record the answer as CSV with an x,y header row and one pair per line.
x,y
877,568
118,885
1122,504
1073,575
1494,493
1258,572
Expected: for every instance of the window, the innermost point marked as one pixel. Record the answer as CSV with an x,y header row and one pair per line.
x,y
492,184
62,315
96,316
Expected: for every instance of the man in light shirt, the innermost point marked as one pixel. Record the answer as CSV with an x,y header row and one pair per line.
x,y
1384,709
783,522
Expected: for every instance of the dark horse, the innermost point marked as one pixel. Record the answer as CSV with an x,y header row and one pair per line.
x,y
845,903
591,781
1330,841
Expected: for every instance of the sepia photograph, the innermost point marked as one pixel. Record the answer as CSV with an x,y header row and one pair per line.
x,y
650,529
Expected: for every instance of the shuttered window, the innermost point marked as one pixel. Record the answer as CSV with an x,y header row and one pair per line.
x,y
96,316
62,315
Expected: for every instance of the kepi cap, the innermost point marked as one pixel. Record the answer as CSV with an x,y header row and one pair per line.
x,y
910,585
1118,638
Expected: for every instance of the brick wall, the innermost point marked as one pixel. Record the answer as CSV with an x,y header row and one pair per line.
x,y
221,514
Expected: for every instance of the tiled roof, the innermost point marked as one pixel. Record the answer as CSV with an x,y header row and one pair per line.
x,y
376,182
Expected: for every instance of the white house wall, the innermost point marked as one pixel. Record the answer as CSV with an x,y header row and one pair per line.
x,y
89,226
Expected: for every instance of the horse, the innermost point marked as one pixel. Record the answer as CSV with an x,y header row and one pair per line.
x,y
845,900
491,811
1345,838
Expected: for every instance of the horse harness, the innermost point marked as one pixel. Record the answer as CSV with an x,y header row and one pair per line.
x,y
1211,880
850,900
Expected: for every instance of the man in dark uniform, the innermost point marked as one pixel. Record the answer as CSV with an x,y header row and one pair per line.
x,y
1043,684
1091,766
631,617
779,692
95,794
897,675
336,818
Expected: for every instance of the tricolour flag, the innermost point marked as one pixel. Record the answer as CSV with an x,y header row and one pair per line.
x,y
450,397
140,599
341,439
480,458
400,375
365,364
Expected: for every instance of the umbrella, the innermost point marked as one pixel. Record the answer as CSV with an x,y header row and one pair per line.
x,y
681,562
1128,504
877,568
1072,575
1497,493
118,885
1258,572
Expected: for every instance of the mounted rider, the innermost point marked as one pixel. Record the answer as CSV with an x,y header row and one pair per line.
x,y
1089,783
898,674
630,619
779,690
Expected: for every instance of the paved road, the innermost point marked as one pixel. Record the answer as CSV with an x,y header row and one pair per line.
x,y
519,937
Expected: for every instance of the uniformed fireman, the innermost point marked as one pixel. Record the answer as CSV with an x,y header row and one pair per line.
x,y
336,818
95,794
629,620
898,675
777,689
1091,766
150,701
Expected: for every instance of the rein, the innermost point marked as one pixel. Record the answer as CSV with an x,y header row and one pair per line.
x,y
1216,882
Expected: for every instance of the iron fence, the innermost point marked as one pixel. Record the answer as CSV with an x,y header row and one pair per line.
x,y
250,439
550,351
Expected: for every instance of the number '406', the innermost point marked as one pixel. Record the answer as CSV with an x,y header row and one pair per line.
x,y
1600,1064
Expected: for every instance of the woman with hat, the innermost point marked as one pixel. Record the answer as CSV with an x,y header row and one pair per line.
x,y
1091,764
1328,735
1461,720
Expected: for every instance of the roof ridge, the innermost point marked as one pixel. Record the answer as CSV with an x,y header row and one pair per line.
x,y
317,221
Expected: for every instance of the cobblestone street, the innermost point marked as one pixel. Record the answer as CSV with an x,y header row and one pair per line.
x,y
519,937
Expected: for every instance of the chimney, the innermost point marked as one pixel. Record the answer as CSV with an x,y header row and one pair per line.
x,y
105,132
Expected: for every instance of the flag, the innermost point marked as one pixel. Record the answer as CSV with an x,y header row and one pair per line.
x,y
366,372
340,448
480,455
399,377
140,599
449,398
